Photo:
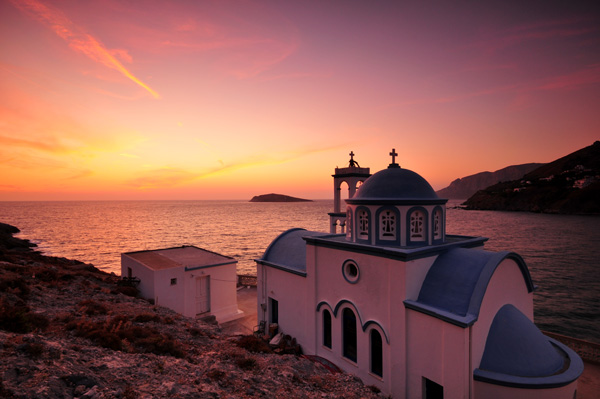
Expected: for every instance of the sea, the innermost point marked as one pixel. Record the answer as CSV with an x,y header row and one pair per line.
x,y
561,251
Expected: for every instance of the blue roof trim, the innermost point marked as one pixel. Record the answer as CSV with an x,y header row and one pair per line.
x,y
363,326
456,283
282,267
573,371
461,321
190,268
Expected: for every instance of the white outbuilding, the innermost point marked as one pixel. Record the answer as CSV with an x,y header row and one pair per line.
x,y
408,308
187,279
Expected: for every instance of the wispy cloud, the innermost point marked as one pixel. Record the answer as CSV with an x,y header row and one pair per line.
x,y
79,40
166,177
582,77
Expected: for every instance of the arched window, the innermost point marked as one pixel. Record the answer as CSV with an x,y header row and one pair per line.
x,y
327,328
362,224
349,334
388,225
417,226
376,353
437,224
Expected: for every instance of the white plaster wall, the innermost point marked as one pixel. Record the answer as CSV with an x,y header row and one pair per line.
x,y
223,293
484,390
506,286
167,295
378,296
416,271
438,351
290,291
139,270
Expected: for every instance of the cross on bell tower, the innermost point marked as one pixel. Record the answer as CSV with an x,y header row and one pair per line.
x,y
353,163
393,154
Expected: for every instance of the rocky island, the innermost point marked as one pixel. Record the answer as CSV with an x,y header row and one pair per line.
x,y
277,198
70,330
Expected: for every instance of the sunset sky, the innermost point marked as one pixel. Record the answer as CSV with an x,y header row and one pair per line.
x,y
226,99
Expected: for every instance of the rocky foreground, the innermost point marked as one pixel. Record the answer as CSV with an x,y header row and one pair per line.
x,y
69,330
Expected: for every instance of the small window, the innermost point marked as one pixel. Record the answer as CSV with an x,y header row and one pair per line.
x,y
432,390
327,329
376,353
363,224
387,225
350,271
129,272
173,281
417,232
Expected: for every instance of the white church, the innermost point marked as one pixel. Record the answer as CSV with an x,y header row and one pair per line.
x,y
406,307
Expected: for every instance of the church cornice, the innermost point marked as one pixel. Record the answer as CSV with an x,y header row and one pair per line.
x,y
397,201
398,253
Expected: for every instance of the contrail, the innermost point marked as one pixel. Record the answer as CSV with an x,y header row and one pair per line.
x,y
77,38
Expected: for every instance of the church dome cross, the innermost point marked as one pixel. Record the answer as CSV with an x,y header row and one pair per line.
x,y
393,154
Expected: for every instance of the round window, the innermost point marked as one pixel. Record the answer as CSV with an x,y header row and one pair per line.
x,y
350,271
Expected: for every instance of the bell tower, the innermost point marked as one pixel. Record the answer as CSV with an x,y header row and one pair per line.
x,y
353,175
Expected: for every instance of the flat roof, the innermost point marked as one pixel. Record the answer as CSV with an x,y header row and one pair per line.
x,y
187,256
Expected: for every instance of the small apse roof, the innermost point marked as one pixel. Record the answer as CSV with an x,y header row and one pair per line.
x,y
288,251
456,283
517,354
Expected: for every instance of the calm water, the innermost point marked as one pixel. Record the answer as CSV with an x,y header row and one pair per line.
x,y
562,252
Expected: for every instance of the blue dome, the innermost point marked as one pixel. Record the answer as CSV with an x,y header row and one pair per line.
x,y
395,183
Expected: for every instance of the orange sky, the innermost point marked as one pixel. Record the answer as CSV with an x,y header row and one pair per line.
x,y
230,99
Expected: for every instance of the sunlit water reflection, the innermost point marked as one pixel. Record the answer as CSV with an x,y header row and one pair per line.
x,y
562,252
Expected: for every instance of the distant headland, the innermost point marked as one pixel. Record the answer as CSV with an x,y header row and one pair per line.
x,y
277,198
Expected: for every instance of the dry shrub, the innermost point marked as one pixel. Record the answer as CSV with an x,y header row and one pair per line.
x,y
253,344
246,363
126,290
16,285
196,332
46,274
146,317
91,307
215,374
119,334
33,349
19,318
130,393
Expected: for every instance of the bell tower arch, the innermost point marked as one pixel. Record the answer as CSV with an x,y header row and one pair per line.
x,y
353,175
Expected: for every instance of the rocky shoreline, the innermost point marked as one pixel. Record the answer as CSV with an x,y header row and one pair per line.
x,y
69,330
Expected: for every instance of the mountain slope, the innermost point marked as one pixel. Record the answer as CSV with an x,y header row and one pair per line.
x,y
467,186
569,185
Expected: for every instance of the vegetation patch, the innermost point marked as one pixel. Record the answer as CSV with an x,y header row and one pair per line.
x,y
91,307
20,319
118,333
146,317
253,344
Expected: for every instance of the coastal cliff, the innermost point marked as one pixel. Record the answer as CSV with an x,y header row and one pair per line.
x,y
568,185
70,330
277,198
